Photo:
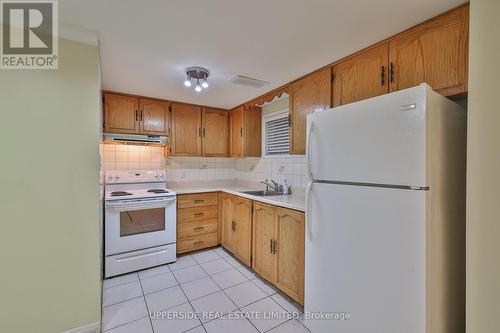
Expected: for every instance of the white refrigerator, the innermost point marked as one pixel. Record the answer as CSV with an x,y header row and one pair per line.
x,y
385,217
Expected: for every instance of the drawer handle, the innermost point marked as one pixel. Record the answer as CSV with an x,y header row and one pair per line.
x,y
198,243
199,201
199,228
199,214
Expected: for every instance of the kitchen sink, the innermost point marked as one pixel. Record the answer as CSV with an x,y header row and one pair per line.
x,y
262,193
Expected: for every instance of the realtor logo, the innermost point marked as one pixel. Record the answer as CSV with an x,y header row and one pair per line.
x,y
29,34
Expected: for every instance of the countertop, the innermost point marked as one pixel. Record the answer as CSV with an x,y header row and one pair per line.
x,y
292,201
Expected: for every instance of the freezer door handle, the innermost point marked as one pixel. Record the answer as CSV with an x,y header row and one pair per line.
x,y
308,209
308,151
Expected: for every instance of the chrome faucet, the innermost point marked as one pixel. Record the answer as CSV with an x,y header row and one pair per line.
x,y
275,186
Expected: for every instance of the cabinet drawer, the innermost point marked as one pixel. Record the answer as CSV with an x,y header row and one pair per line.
x,y
189,229
196,242
197,214
197,200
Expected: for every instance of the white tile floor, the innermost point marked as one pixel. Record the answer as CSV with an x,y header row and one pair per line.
x,y
207,291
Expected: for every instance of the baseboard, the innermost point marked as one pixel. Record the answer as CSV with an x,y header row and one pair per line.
x,y
89,328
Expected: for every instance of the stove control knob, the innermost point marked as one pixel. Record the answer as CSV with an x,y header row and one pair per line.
x,y
117,177
110,178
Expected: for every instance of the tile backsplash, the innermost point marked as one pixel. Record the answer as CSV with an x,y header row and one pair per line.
x,y
290,169
129,157
178,169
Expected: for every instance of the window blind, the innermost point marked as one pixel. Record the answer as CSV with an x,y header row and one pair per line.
x,y
277,139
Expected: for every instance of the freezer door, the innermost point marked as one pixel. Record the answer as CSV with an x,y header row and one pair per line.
x,y
365,256
381,140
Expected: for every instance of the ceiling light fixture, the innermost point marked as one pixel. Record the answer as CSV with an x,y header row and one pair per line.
x,y
198,86
198,74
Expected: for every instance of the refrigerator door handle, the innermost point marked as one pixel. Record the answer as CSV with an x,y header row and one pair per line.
x,y
308,151
308,209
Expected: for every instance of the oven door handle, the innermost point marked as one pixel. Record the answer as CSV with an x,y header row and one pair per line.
x,y
123,206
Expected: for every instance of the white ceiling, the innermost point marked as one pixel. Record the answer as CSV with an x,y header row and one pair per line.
x,y
147,45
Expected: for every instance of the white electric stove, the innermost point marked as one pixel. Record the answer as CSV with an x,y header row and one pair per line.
x,y
139,221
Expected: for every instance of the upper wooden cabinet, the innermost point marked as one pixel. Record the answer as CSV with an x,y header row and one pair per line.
x,y
245,132
215,128
136,115
186,130
308,94
362,76
198,131
435,52
154,117
121,114
236,130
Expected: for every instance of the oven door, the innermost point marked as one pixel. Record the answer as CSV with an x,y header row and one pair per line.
x,y
138,224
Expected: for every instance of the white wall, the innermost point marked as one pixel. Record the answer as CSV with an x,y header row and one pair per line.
x,y
49,198
483,176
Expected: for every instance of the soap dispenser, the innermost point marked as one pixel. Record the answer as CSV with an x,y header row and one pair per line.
x,y
286,188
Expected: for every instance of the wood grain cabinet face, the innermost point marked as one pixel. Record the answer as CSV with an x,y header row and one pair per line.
x,y
362,76
242,217
154,117
245,132
309,94
237,227
264,224
197,221
186,130
236,129
435,52
215,128
290,250
121,114
227,236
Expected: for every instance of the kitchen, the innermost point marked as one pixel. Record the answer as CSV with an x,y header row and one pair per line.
x,y
206,187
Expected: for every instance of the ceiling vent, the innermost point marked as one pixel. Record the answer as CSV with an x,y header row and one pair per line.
x,y
248,81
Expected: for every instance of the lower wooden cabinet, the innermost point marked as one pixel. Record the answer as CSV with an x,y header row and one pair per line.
x,y
290,252
237,227
278,248
264,230
227,237
242,230
197,221
268,238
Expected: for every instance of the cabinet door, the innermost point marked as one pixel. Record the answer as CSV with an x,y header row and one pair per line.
x,y
242,217
215,137
435,52
290,253
154,117
308,94
252,135
264,261
227,239
236,132
121,114
362,76
186,130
